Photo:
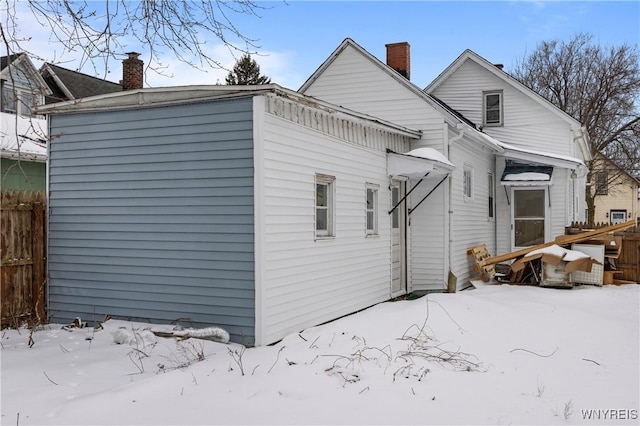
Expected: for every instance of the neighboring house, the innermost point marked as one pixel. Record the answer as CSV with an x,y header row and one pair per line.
x,y
67,85
253,208
541,173
23,151
617,193
24,87
508,190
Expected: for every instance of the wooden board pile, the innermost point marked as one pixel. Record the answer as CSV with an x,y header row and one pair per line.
x,y
552,264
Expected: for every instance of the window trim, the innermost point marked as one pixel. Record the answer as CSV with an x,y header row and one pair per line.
x,y
467,182
17,94
329,182
375,190
485,96
602,184
491,195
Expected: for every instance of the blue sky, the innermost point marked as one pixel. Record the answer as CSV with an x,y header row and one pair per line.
x,y
295,37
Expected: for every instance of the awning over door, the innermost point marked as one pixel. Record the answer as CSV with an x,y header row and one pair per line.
x,y
417,164
522,174
421,164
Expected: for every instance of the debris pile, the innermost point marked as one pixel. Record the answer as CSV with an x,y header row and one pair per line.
x,y
583,258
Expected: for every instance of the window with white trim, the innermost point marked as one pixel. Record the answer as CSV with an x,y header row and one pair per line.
x,y
467,182
371,209
18,101
492,188
492,108
325,195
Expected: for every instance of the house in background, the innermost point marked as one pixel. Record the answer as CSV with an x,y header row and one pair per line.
x,y
23,152
23,144
541,174
617,193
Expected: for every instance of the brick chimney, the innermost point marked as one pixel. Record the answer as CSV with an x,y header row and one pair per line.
x,y
132,72
398,58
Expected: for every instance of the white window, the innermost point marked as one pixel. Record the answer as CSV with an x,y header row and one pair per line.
x,y
18,101
467,182
492,108
492,203
371,209
325,195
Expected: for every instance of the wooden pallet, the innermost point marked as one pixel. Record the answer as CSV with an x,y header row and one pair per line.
x,y
480,254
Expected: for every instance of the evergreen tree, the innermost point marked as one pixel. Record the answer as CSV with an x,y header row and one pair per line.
x,y
246,71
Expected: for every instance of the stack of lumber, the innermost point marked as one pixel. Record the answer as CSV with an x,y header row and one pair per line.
x,y
484,263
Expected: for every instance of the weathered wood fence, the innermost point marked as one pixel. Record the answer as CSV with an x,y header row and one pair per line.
x,y
629,261
22,257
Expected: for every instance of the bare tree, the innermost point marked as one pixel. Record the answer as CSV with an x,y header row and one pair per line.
x,y
598,86
100,31
246,71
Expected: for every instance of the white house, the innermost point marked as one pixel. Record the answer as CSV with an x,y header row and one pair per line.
x,y
476,205
542,176
254,208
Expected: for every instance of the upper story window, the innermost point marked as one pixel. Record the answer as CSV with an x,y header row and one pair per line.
x,y
602,183
325,195
492,106
18,101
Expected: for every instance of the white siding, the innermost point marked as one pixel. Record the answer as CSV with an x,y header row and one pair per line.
x,y
354,82
304,281
470,223
527,124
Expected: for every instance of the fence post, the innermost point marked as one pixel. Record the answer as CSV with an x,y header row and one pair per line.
x,y
38,281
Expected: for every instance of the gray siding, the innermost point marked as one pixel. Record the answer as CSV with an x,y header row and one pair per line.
x,y
151,216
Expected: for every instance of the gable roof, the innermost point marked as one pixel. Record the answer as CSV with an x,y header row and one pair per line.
x,y
22,60
615,165
67,84
468,54
451,116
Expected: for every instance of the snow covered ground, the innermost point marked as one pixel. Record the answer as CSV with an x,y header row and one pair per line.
x,y
494,355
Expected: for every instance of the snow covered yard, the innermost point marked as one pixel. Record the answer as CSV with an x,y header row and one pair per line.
x,y
494,355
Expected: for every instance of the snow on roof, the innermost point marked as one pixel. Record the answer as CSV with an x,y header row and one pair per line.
x,y
430,154
31,141
528,176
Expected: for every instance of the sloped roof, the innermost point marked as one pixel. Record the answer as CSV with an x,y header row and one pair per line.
x,y
67,84
468,54
452,116
22,60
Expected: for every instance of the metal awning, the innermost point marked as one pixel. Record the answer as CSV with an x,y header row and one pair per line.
x,y
424,164
522,174
417,163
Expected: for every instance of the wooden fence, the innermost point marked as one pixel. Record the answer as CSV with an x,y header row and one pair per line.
x,y
629,261
22,257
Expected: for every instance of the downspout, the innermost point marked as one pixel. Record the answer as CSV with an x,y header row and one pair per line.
x,y
456,138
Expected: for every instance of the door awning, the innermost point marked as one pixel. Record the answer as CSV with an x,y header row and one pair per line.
x,y
416,164
421,164
521,174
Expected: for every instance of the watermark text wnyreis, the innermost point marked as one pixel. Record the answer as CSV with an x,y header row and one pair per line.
x,y
609,414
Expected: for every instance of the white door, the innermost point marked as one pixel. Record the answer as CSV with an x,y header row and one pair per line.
x,y
529,216
398,240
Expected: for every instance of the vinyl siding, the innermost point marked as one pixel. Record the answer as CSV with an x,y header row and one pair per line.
x,y
470,221
353,81
151,216
527,124
307,281
22,175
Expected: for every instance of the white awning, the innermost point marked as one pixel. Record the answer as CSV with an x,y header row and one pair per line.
x,y
416,164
